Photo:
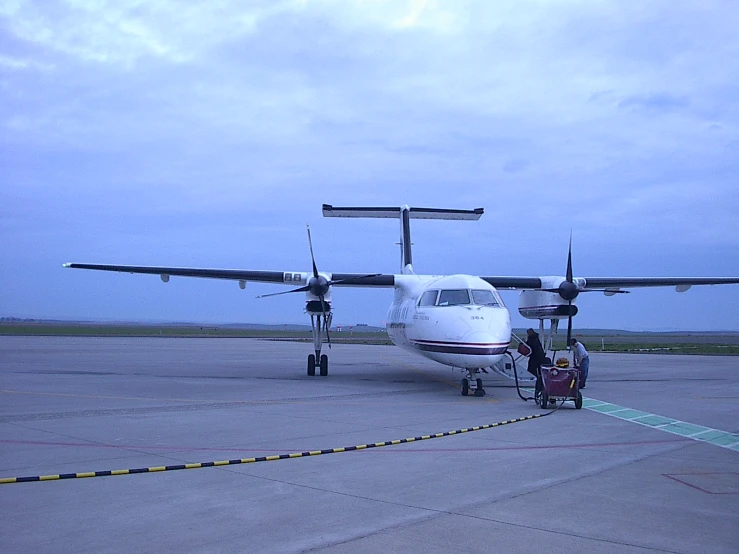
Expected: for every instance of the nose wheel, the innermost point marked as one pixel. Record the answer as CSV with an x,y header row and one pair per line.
x,y
477,389
322,365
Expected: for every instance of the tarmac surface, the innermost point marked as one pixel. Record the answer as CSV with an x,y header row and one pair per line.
x,y
650,464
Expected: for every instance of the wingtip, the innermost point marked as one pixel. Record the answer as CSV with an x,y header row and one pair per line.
x,y
67,265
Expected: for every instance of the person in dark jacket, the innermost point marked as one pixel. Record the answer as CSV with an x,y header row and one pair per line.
x,y
536,358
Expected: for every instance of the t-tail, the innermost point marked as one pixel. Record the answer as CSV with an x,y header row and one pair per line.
x,y
405,214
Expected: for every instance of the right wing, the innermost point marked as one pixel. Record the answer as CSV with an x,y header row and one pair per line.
x,y
244,275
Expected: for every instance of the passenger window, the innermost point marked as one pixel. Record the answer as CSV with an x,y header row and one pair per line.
x,y
454,297
428,298
484,298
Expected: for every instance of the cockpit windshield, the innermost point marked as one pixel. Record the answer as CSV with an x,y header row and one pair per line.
x,y
455,297
485,298
428,298
460,297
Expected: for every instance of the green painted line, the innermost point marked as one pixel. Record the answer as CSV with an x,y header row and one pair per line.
x,y
606,408
727,440
710,435
630,414
684,429
654,420
698,433
589,402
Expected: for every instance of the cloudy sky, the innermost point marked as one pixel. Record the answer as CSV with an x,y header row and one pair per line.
x,y
209,134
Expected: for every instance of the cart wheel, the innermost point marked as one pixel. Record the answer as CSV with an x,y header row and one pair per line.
x,y
544,400
578,400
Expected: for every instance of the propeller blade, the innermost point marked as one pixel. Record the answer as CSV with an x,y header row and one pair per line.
x,y
312,257
569,261
301,289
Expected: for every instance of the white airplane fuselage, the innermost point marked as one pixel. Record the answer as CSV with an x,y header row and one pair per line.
x,y
456,320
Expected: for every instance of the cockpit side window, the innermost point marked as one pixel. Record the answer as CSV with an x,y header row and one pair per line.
x,y
455,297
428,298
485,298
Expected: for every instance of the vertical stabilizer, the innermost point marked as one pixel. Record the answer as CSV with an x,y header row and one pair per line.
x,y
405,214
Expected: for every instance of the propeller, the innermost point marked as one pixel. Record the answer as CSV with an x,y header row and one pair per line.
x,y
319,286
568,290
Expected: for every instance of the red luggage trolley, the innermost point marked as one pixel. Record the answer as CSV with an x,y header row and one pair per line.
x,y
560,383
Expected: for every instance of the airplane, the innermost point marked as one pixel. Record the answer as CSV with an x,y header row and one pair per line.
x,y
457,320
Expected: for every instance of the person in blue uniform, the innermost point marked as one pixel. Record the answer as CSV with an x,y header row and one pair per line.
x,y
581,360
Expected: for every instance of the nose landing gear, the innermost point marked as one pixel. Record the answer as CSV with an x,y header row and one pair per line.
x,y
319,323
472,381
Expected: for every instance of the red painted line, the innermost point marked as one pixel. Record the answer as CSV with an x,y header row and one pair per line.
x,y
674,477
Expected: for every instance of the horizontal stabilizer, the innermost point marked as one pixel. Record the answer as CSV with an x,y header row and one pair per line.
x,y
404,214
414,213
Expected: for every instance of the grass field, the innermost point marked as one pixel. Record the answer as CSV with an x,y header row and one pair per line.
x,y
726,343
173,331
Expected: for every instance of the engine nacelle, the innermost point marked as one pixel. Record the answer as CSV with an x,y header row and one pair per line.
x,y
539,304
313,302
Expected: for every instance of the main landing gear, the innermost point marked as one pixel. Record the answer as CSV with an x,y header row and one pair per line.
x,y
472,383
320,322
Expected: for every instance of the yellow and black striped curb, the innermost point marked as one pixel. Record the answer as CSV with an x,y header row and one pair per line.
x,y
8,480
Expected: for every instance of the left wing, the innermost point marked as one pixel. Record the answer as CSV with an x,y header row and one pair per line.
x,y
629,282
584,283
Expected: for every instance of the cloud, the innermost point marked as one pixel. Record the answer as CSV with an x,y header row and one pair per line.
x,y
654,102
160,129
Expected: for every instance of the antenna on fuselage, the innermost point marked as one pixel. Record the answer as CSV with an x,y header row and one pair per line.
x,y
405,214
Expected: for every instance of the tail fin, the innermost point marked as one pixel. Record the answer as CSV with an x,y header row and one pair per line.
x,y
405,214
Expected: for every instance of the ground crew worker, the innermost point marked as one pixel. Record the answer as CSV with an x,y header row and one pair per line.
x,y
581,360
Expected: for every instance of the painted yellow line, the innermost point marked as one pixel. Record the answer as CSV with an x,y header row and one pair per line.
x,y
157,469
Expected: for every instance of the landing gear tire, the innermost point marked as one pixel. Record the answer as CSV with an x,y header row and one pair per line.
x,y
544,400
479,391
578,400
311,365
465,386
324,365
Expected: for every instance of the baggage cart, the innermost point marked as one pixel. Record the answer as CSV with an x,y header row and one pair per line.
x,y
560,384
